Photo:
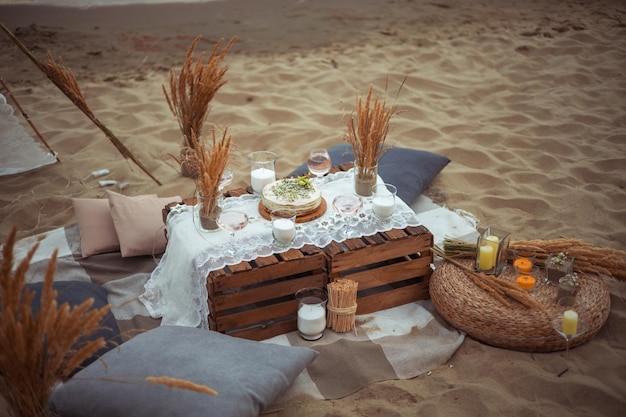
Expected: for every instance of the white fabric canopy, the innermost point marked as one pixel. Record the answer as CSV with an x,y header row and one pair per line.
x,y
19,152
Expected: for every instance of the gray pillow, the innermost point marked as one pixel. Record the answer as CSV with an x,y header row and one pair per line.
x,y
247,375
410,170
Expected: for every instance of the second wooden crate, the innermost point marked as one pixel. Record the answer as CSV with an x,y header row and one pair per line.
x,y
392,268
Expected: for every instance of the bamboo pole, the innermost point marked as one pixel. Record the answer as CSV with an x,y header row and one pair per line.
x,y
63,78
27,118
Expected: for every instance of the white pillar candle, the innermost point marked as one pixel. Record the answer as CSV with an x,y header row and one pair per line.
x,y
260,177
284,230
311,320
383,206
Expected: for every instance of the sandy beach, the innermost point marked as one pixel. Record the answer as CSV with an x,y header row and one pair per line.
x,y
527,99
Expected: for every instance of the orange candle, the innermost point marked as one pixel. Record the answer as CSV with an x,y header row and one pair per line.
x,y
526,282
523,264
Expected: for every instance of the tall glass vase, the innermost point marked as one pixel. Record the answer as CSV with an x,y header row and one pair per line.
x,y
208,209
365,179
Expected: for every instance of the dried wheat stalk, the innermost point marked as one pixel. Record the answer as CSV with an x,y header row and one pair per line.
x,y
181,384
499,288
210,165
190,93
587,258
342,296
368,132
37,352
63,78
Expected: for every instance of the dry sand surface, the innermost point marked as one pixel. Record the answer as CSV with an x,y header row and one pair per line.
x,y
527,98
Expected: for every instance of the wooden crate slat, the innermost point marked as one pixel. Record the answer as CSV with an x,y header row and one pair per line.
x,y
256,275
384,274
251,316
373,254
226,301
392,298
266,331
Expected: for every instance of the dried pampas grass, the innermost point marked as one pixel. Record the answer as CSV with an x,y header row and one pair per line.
x,y
191,92
37,352
209,163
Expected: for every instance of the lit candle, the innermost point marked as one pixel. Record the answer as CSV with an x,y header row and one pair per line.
x,y
570,322
485,258
311,320
260,177
494,242
523,264
526,282
383,206
284,230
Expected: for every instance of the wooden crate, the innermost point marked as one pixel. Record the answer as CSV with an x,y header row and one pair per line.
x,y
392,268
255,300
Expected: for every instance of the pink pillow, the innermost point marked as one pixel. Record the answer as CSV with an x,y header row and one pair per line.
x,y
139,223
95,225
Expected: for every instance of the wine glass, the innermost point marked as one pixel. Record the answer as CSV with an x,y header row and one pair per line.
x,y
568,324
232,221
348,206
319,163
226,179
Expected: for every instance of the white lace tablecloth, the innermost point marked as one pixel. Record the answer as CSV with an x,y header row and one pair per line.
x,y
176,290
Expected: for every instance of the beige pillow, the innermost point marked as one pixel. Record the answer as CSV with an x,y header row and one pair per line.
x,y
95,225
139,223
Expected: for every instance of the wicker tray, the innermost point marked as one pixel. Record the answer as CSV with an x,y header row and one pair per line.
x,y
471,309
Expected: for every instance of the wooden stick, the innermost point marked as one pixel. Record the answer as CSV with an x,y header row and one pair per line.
x,y
76,97
27,118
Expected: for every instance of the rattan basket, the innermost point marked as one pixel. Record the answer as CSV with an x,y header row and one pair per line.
x,y
471,309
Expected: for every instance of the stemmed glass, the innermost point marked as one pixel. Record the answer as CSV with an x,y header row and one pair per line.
x,y
227,178
319,163
232,221
568,324
348,206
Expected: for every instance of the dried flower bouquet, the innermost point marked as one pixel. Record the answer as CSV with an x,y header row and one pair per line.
x,y
366,133
210,164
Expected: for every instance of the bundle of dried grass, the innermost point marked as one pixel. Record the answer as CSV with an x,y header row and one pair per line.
x,y
587,258
64,79
501,289
367,134
191,92
342,295
37,352
210,165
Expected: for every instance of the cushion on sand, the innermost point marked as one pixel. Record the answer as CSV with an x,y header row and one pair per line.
x,y
138,223
247,375
410,170
75,293
95,225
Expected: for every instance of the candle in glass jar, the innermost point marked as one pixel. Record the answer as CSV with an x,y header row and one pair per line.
x,y
526,282
523,264
383,206
284,230
260,177
311,319
570,322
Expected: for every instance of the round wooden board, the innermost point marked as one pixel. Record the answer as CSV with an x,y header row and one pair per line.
x,y
319,212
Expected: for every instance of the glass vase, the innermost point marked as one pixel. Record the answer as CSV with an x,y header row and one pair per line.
x,y
491,251
365,179
208,209
558,265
